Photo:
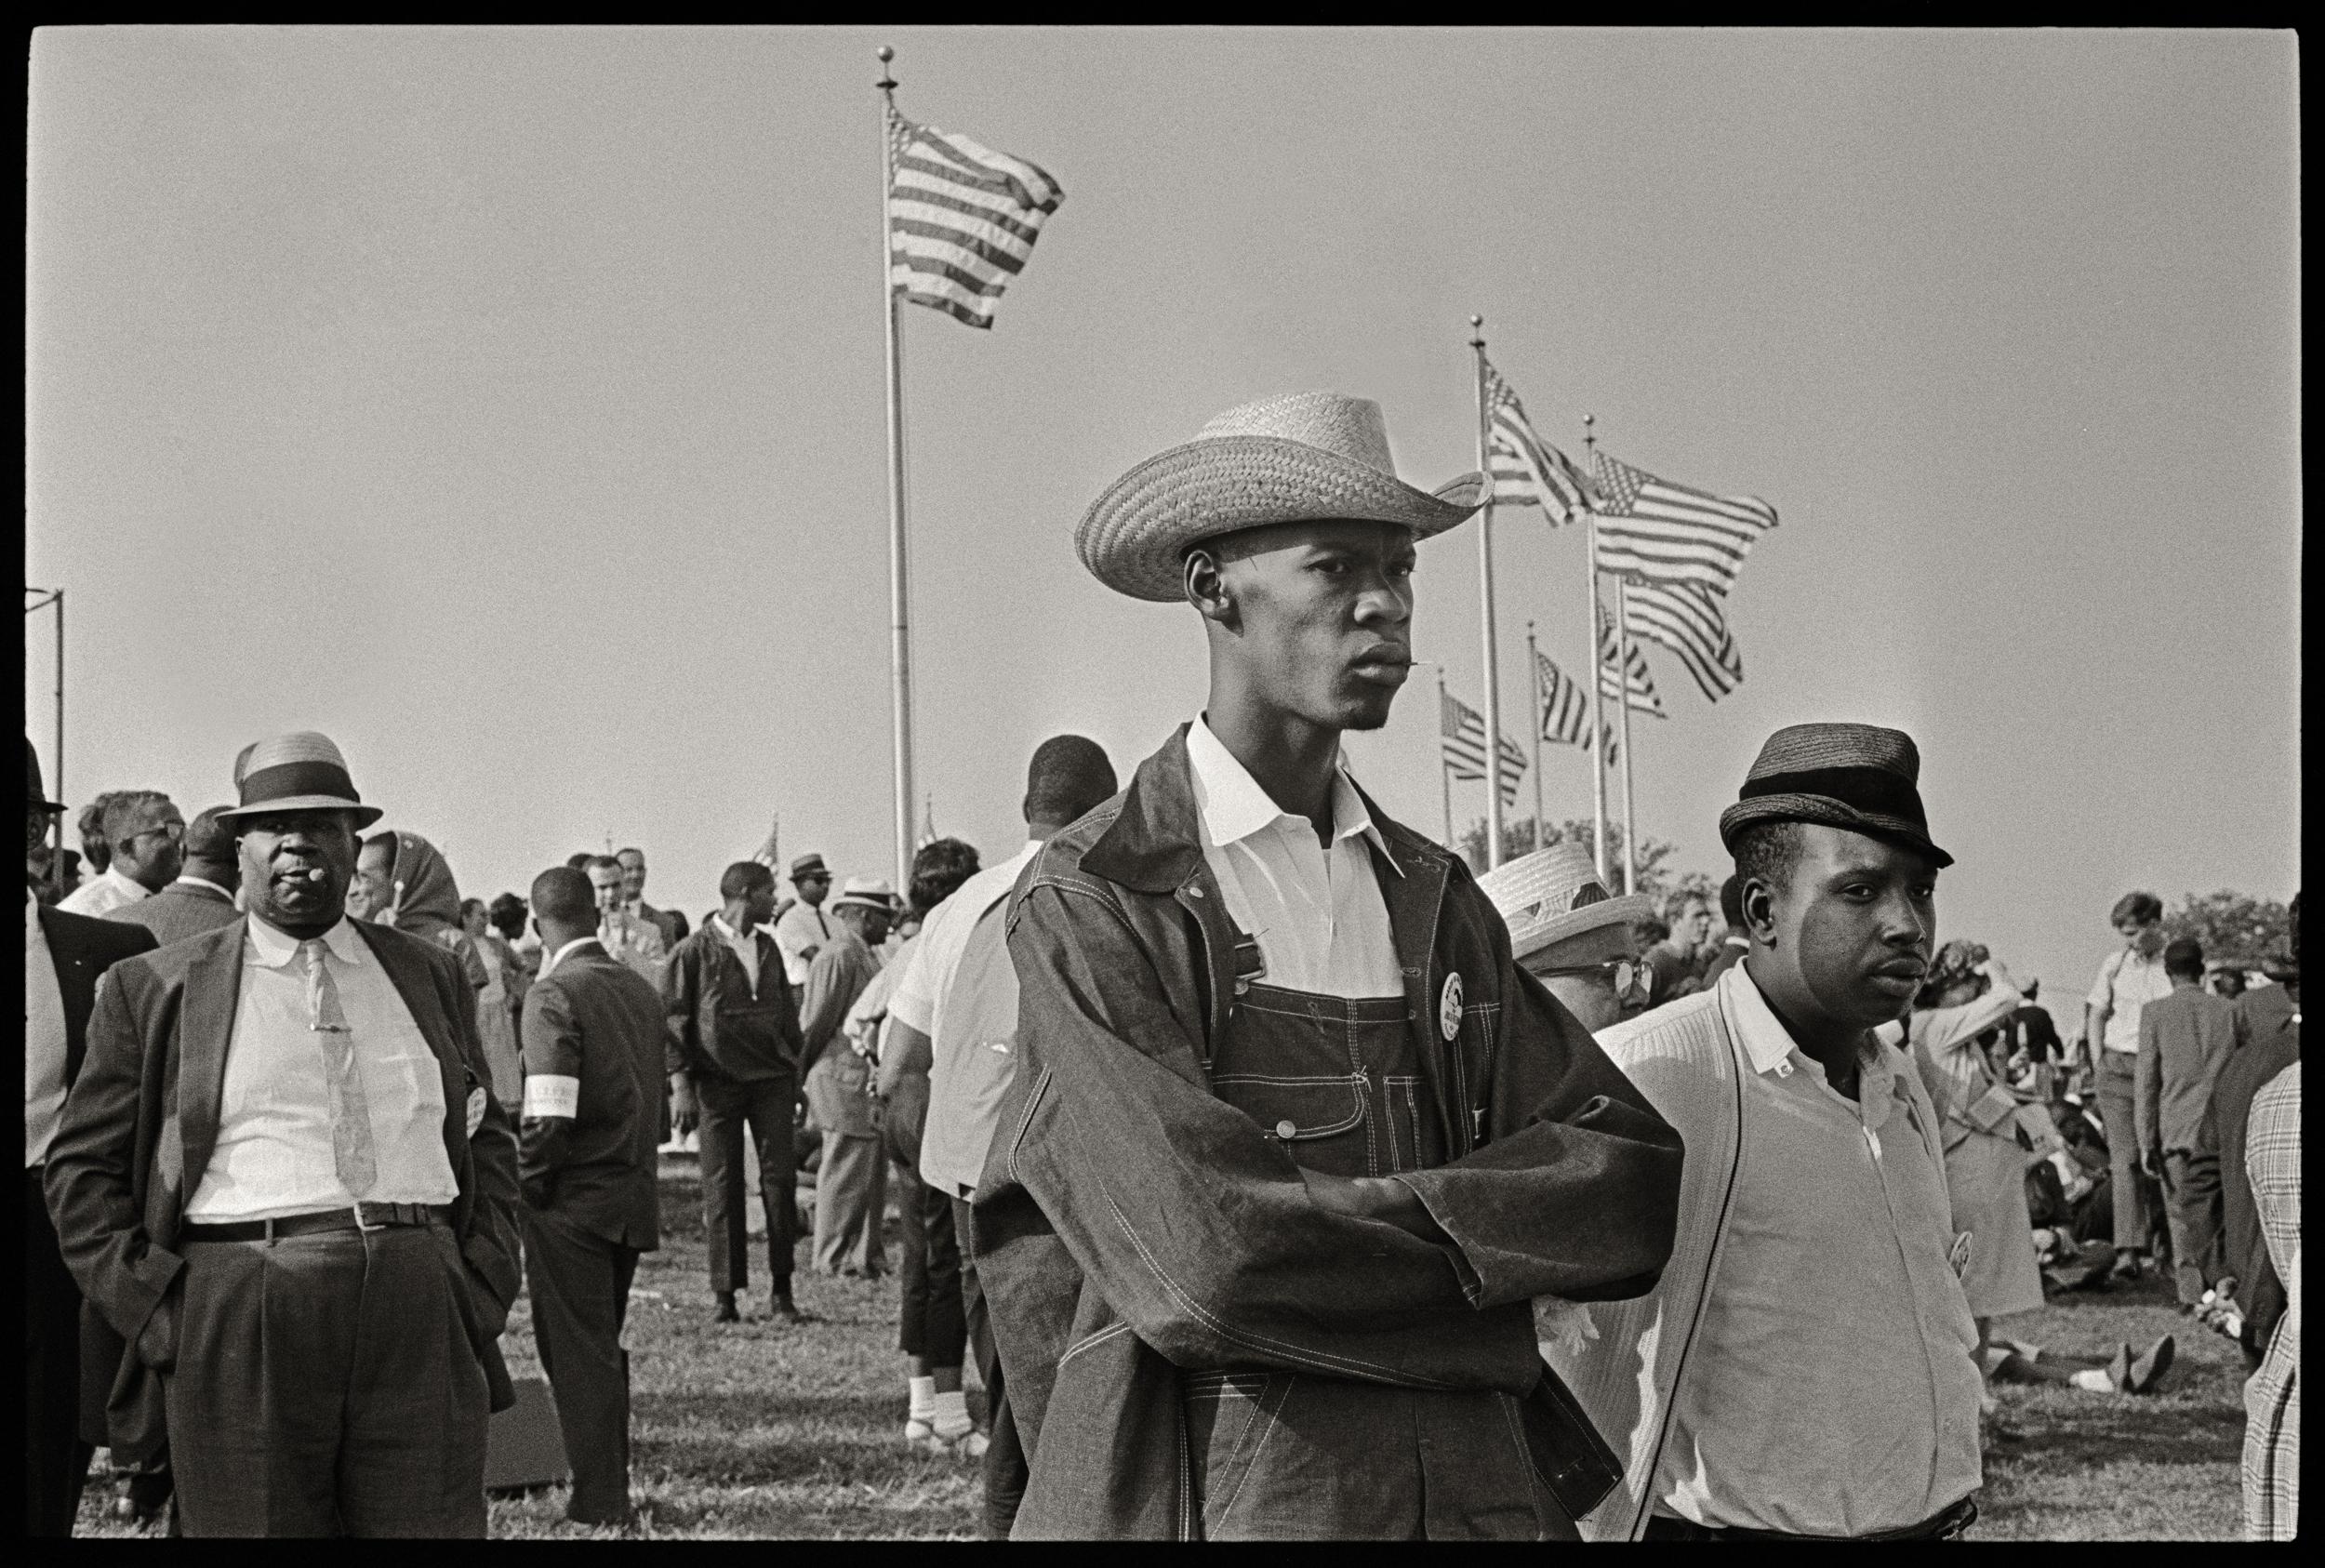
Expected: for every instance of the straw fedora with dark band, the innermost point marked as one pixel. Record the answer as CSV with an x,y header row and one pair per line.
x,y
1300,458
301,771
1553,894
1858,776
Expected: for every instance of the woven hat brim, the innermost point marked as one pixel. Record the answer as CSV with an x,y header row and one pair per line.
x,y
1833,813
1135,534
365,814
1534,935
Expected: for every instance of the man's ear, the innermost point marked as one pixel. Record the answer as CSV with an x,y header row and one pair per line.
x,y
1206,588
1759,912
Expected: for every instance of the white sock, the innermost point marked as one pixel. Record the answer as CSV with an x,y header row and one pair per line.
x,y
923,1398
951,1414
2094,1381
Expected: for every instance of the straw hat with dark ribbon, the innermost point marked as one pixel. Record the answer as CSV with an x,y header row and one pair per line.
x,y
1858,776
872,893
1302,457
302,771
1554,893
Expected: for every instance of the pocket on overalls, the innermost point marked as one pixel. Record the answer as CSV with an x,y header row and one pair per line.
x,y
1319,1120
1229,1417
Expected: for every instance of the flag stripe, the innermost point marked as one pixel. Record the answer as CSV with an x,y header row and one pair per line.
x,y
1652,529
1526,470
961,220
1641,694
1691,622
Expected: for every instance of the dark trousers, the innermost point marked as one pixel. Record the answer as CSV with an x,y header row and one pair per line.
x,y
933,1323
767,1106
328,1385
581,1285
55,1460
2117,1072
1006,1468
2191,1206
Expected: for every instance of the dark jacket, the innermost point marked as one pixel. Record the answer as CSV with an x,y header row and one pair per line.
x,y
595,1022
81,948
142,1118
719,1024
1131,1226
2267,1039
178,912
669,923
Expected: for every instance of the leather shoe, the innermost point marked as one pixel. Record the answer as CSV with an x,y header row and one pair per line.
x,y
726,1311
2119,1369
2149,1366
783,1309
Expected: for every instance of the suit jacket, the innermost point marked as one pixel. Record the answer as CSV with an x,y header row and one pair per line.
x,y
2267,1040
178,912
142,1118
669,923
593,1020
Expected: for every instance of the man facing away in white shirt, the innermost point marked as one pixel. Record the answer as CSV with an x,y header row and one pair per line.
x,y
146,833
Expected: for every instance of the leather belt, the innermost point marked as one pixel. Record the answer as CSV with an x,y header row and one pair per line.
x,y
362,1216
1946,1525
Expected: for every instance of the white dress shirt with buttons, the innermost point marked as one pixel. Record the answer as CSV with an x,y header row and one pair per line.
x,y
1317,913
109,890
44,1039
273,1153
1830,1389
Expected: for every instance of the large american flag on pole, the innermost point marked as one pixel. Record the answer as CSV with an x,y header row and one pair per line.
x,y
1691,621
1528,471
961,219
1635,684
1565,715
1462,728
1657,531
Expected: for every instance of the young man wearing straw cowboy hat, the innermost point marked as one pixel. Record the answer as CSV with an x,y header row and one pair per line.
x,y
281,1179
1292,1142
1803,1369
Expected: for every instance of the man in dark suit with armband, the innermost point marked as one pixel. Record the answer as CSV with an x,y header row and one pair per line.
x,y
592,1047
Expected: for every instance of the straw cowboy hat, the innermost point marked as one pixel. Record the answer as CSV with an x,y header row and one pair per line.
x,y
1302,457
1858,776
1553,894
302,771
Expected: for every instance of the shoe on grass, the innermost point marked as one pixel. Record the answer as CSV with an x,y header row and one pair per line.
x,y
2149,1366
726,1311
784,1310
2119,1368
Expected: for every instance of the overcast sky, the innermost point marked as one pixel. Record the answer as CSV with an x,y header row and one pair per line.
x,y
508,404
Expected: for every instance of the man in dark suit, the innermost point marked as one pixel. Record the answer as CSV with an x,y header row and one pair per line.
x,y
592,1047
279,1155
65,954
203,897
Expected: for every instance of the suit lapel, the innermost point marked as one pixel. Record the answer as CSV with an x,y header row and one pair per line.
x,y
213,992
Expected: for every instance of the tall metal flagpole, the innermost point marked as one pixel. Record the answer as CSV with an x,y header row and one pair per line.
x,y
1444,774
1598,682
900,634
1485,589
1534,710
1622,666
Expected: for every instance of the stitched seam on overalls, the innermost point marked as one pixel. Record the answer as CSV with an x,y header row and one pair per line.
x,y
1041,1088
1258,1341
1302,1134
1260,1408
1100,1338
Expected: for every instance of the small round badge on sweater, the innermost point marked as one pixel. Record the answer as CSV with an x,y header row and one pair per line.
x,y
1449,1008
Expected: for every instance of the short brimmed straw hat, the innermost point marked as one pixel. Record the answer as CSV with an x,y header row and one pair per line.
x,y
873,893
1554,893
1858,776
1299,458
302,771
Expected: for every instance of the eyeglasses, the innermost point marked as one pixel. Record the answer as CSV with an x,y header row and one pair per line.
x,y
1628,976
168,829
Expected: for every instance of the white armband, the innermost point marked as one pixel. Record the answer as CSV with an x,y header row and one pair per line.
x,y
546,1094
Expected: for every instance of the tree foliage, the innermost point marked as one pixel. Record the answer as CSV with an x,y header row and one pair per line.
x,y
2234,927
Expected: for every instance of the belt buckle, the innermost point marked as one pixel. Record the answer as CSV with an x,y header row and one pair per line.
x,y
359,1221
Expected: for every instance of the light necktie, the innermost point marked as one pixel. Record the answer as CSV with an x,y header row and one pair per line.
x,y
350,1113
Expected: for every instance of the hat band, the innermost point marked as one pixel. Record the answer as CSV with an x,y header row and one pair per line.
x,y
1867,788
287,780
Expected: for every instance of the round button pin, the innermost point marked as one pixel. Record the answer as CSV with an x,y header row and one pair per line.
x,y
1286,1129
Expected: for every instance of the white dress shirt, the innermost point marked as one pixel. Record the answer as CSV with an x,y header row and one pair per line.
x,y
918,996
801,931
185,881
2126,982
1830,1389
44,1039
273,1153
745,947
109,890
1317,913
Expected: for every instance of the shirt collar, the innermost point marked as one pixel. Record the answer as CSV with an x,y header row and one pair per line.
x,y
1770,1047
277,949
1233,806
558,957
127,883
206,882
727,933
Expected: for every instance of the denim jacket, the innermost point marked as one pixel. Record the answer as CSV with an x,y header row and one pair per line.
x,y
1131,1226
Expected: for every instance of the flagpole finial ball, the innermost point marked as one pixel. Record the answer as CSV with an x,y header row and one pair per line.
x,y
1590,418
885,53
1476,321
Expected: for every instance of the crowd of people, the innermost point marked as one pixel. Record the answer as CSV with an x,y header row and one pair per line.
x,y
1284,1178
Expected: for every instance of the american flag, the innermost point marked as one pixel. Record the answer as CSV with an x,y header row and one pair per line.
x,y
961,219
1464,731
1642,696
1528,471
1566,711
1657,531
1691,621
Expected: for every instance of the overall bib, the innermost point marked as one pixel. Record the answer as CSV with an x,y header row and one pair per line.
x,y
1279,1455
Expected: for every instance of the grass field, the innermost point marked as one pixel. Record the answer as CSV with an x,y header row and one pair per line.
x,y
755,1430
